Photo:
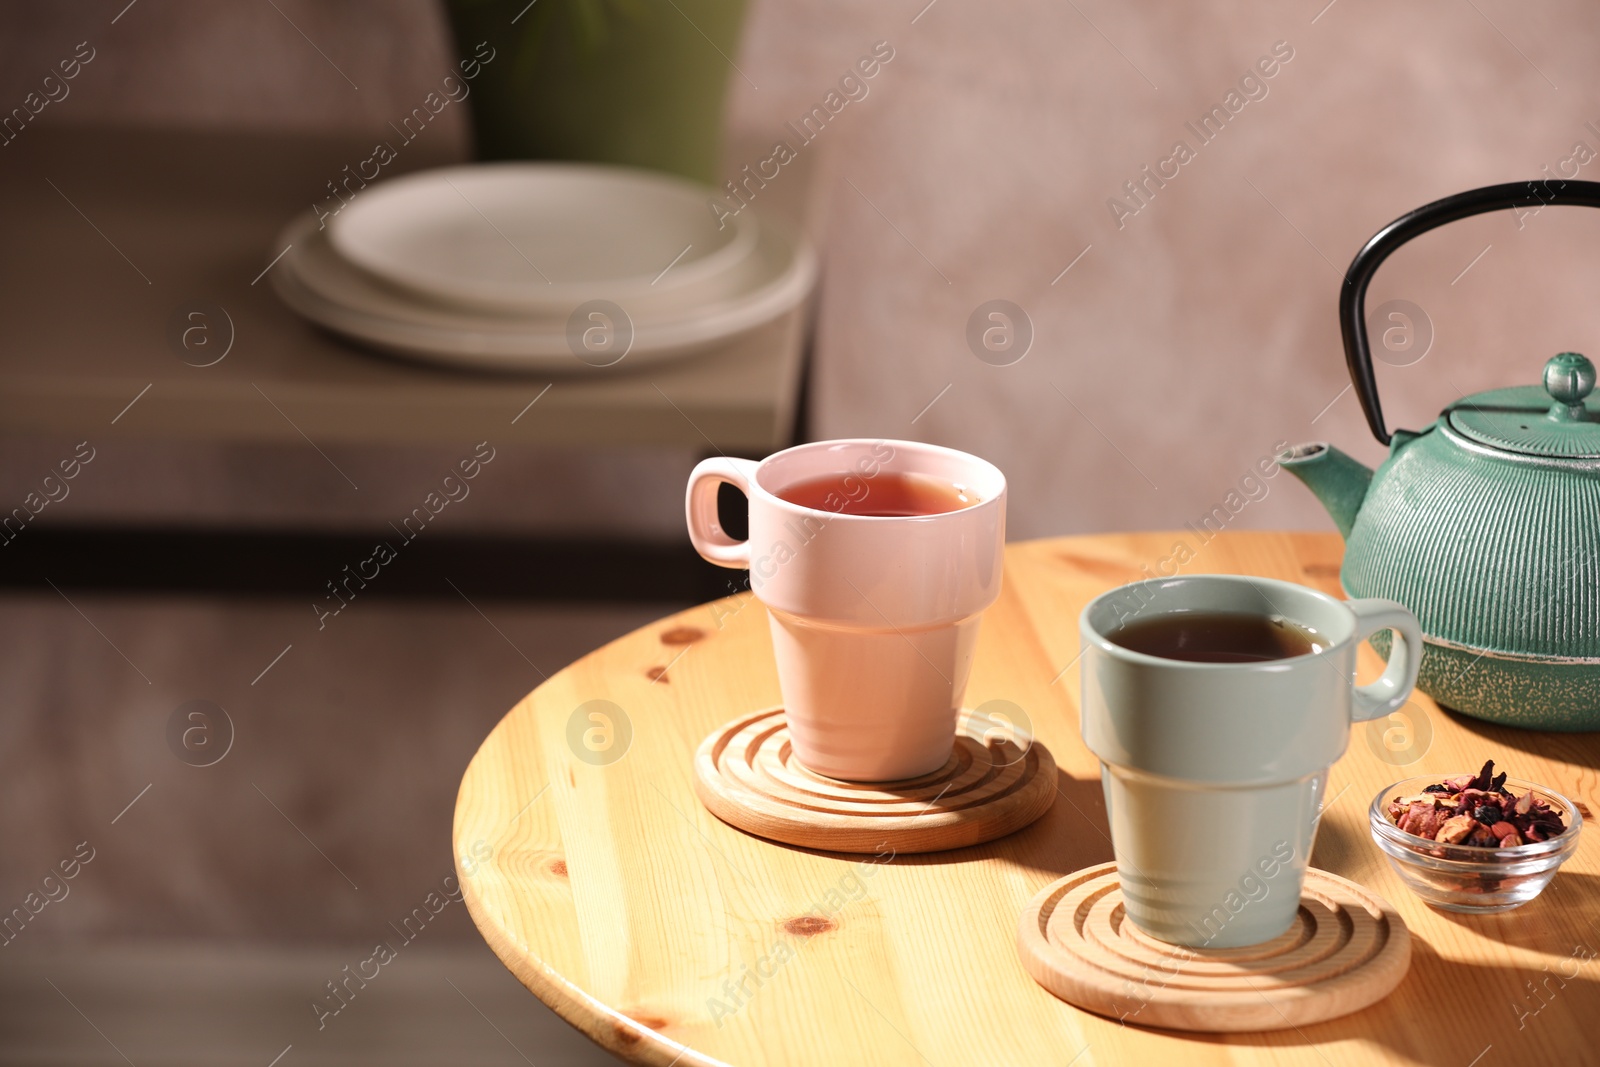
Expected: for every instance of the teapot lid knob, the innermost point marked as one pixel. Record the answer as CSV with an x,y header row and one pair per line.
x,y
1569,378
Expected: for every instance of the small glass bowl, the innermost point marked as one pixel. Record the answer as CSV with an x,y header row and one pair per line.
x,y
1473,878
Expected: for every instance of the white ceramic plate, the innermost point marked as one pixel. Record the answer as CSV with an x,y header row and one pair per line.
x,y
537,238
317,282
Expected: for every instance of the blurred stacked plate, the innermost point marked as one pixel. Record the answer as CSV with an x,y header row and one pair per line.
x,y
540,266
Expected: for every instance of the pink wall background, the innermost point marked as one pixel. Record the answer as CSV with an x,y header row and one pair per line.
x,y
979,165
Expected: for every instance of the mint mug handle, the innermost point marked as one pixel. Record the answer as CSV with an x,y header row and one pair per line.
x,y
1393,688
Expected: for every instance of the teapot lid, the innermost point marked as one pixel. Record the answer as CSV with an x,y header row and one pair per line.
x,y
1556,420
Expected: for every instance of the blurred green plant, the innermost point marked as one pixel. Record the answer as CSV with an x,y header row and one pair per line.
x,y
635,82
589,23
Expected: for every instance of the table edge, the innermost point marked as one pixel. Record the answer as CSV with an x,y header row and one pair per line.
x,y
617,1033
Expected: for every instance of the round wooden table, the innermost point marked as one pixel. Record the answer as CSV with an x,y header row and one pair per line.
x,y
669,937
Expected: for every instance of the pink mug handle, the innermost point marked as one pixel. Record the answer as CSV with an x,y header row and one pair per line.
x,y
700,506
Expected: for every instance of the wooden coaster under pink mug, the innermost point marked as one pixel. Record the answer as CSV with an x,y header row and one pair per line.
x,y
875,560
994,783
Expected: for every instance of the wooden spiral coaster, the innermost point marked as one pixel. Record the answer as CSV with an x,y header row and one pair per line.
x,y
1348,949
747,776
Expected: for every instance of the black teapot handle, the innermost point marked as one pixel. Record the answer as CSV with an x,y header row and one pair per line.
x,y
1353,298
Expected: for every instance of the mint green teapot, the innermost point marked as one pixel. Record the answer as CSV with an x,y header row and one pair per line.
x,y
1485,524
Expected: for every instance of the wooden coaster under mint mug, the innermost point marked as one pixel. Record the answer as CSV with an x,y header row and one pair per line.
x,y
1486,524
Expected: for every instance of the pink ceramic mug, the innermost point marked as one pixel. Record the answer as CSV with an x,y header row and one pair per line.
x,y
874,619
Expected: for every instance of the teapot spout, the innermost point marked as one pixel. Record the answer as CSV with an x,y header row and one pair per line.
x,y
1337,480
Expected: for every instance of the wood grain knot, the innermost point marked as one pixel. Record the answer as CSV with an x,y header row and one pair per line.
x,y
1583,809
558,866
682,635
809,925
630,1036
658,674
1320,570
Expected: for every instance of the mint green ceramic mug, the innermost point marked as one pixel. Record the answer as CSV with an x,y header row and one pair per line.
x,y
1214,772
